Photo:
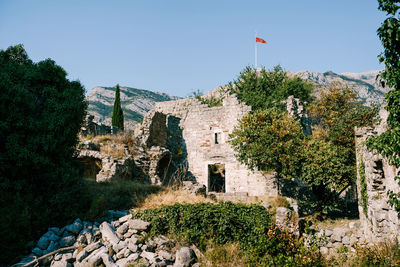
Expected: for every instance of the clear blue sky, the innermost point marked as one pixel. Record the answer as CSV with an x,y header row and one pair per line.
x,y
177,47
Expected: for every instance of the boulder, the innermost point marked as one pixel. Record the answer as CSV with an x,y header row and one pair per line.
x,y
75,227
138,225
184,256
108,233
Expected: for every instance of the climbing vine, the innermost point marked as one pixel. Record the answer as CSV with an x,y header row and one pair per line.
x,y
363,184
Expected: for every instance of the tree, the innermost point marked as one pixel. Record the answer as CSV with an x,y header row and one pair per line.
x,y
40,115
117,115
268,140
266,89
337,112
324,169
388,143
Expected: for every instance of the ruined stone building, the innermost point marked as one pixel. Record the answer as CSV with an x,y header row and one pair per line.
x,y
205,133
375,178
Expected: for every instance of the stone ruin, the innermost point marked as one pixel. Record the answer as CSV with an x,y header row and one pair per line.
x,y
375,178
91,127
188,140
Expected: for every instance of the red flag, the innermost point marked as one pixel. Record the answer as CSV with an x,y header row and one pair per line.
x,y
259,40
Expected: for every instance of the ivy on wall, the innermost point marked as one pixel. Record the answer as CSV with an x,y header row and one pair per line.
x,y
363,189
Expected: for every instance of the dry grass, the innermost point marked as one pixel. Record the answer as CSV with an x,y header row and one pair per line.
x,y
382,254
224,255
168,197
115,150
120,138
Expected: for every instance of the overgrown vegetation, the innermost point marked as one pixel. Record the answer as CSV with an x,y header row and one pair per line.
x,y
269,139
363,189
388,143
211,101
40,116
249,226
381,254
266,89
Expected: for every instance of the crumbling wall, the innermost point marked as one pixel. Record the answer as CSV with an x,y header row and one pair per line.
x,y
205,132
91,127
375,177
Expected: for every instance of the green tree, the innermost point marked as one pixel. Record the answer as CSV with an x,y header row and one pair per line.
x,y
388,143
336,113
268,140
324,169
117,121
40,115
265,89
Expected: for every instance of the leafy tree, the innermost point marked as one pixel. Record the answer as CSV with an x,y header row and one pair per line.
x,y
117,115
268,140
323,167
40,115
263,89
388,143
338,112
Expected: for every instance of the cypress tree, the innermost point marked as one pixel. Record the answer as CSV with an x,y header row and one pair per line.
x,y
117,121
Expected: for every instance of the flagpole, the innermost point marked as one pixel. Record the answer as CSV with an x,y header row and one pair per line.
x,y
255,51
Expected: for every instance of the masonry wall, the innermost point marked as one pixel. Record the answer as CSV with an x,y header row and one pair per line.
x,y
199,124
378,220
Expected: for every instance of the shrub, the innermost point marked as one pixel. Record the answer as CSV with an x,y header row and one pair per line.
x,y
248,225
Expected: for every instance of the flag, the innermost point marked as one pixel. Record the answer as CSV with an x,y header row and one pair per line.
x,y
259,40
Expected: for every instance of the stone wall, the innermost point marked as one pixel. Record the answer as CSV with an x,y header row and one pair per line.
x,y
205,132
375,177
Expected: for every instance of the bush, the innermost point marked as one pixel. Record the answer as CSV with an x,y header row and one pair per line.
x,y
248,225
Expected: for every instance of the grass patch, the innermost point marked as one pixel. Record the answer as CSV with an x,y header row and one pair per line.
x,y
381,254
168,197
114,195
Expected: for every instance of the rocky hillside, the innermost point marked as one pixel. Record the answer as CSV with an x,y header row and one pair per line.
x,y
368,89
135,103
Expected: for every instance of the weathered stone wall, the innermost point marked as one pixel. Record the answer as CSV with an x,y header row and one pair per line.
x,y
375,177
205,133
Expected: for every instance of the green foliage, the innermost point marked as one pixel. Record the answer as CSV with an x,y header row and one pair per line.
x,y
211,101
338,112
268,140
40,115
248,225
388,143
323,167
265,89
363,189
117,120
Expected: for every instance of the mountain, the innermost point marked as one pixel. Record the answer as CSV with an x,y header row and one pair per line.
x,y
135,103
368,88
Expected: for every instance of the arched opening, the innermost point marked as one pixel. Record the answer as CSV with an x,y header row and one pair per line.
x,y
216,178
163,167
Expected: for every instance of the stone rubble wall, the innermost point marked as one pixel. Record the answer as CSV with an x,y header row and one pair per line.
x,y
199,124
379,220
118,242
